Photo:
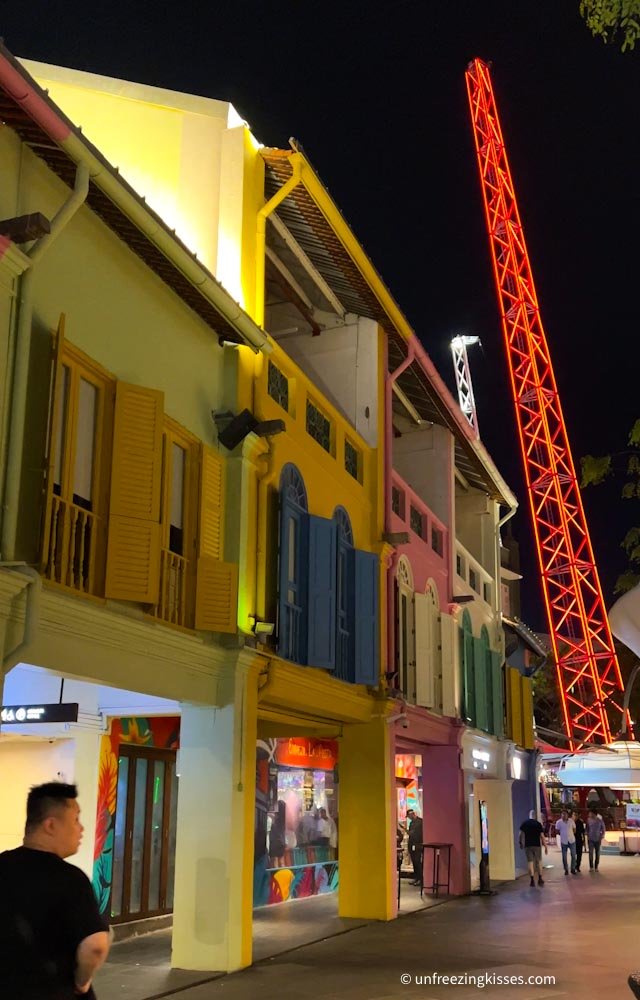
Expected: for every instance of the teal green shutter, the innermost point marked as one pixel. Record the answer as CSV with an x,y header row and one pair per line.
x,y
498,695
480,679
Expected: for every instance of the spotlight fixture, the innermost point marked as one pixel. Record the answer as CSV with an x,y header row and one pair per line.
x,y
263,629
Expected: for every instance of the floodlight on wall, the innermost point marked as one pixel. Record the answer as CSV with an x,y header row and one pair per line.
x,y
234,429
24,228
263,629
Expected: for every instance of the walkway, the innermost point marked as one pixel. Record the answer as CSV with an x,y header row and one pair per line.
x,y
583,930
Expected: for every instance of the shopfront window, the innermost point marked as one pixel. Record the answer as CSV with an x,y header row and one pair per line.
x,y
296,849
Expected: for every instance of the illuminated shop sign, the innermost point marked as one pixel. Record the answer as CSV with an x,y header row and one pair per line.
x,y
481,759
20,714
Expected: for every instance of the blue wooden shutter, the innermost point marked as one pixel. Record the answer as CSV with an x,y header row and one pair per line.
x,y
365,623
293,597
498,696
323,538
480,677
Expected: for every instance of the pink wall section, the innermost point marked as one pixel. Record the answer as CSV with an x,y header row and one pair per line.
x,y
437,739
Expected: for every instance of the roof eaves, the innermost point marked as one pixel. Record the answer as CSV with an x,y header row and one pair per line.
x,y
41,123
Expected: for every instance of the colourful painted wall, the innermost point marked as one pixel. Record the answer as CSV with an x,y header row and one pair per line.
x,y
161,732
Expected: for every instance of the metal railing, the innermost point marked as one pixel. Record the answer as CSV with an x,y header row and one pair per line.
x,y
71,556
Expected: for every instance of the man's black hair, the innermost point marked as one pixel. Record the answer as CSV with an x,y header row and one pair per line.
x,y
43,800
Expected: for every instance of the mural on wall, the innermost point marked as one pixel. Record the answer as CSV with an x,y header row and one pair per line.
x,y
162,732
295,784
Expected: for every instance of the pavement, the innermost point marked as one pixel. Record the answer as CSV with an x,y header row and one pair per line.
x,y
583,931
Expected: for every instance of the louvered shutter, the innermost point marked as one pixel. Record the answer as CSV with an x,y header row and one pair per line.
x,y
449,693
497,693
55,416
514,706
468,686
133,548
321,649
480,683
527,713
425,691
216,580
293,582
366,618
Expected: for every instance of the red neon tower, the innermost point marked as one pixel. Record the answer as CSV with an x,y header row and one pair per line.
x,y
588,673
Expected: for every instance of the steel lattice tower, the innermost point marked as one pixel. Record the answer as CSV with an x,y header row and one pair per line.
x,y
588,673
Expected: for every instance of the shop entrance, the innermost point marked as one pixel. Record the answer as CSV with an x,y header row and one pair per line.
x,y
296,821
144,833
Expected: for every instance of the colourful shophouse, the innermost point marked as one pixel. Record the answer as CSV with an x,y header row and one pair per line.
x,y
203,489
218,560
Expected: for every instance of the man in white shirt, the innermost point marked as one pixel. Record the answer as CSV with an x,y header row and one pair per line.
x,y
566,827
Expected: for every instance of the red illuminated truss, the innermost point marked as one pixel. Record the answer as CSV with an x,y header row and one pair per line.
x,y
588,672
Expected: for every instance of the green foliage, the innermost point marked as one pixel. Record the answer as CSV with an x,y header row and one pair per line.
x,y
596,469
616,22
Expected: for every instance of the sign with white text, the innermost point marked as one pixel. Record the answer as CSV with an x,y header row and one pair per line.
x,y
18,715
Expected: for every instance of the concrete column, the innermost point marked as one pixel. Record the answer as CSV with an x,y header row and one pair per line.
x,y
366,823
212,922
444,818
497,794
84,766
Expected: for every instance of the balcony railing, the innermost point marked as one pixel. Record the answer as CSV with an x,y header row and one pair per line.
x,y
470,575
73,542
173,603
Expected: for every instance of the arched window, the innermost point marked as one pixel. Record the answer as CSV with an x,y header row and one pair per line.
x,y
344,595
405,640
345,531
292,486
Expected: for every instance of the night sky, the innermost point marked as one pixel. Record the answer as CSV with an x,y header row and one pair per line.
x,y
376,95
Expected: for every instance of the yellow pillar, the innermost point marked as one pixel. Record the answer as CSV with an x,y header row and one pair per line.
x,y
365,823
213,903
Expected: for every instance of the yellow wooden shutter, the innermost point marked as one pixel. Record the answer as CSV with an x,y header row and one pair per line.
x,y
527,714
514,705
211,512
217,581
55,416
217,595
133,550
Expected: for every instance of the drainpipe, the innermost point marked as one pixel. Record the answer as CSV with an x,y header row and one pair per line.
x,y
261,234
390,378
503,520
21,363
31,616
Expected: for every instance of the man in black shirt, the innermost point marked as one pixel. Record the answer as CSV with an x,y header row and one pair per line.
x,y
52,936
415,845
532,839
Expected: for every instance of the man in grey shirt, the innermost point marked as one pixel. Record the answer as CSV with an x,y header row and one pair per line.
x,y
595,836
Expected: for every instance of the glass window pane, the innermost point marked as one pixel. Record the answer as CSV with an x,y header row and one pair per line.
x,y
178,459
119,837
157,808
137,839
58,444
85,443
173,827
291,569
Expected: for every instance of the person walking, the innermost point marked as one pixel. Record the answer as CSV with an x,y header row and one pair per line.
x,y
532,839
595,835
415,845
580,834
566,827
277,836
53,938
